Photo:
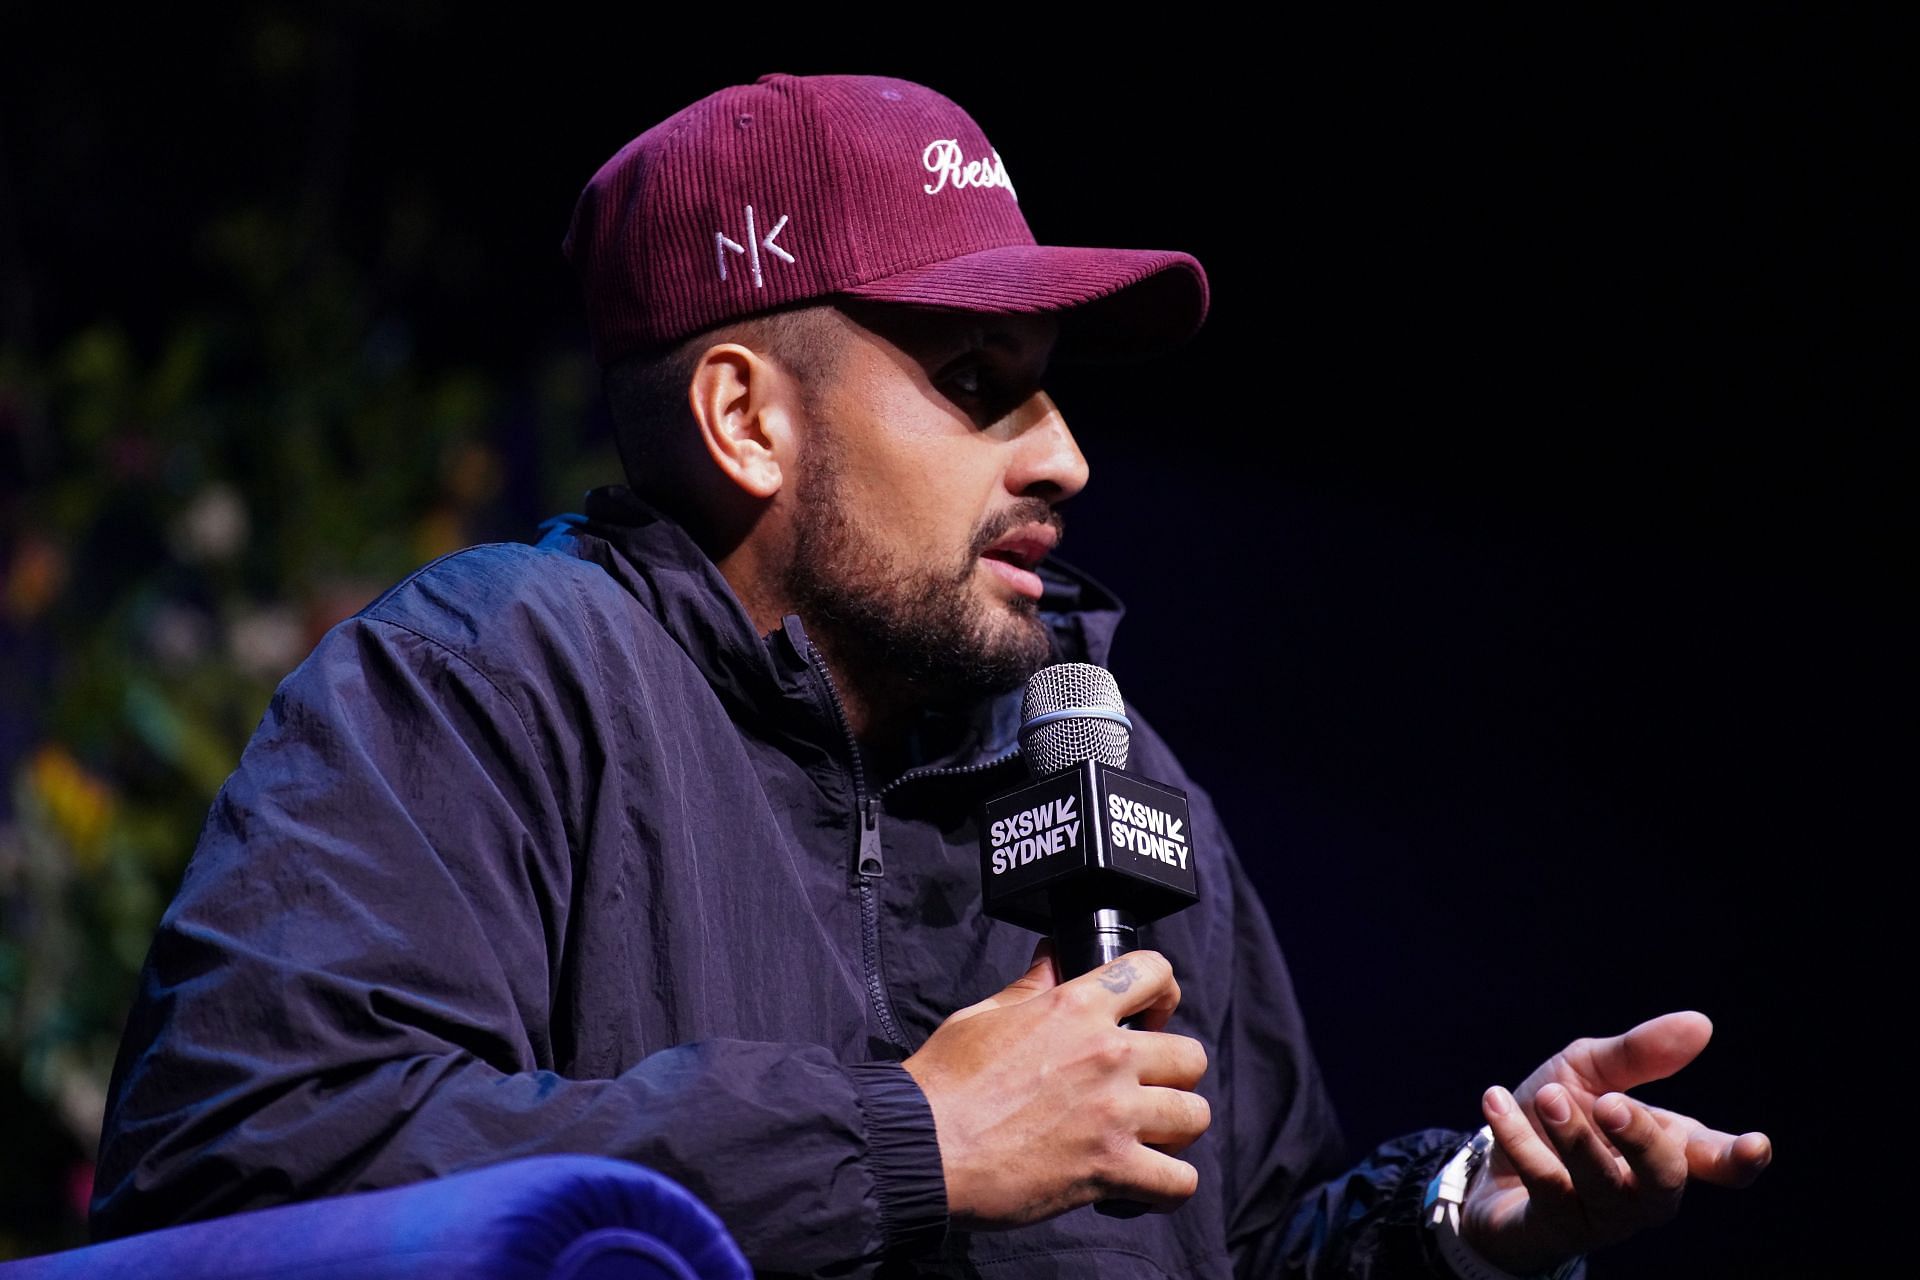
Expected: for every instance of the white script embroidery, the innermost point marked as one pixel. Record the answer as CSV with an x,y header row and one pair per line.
x,y
942,158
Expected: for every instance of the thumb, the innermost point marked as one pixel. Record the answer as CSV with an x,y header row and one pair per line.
x,y
1653,1050
1040,977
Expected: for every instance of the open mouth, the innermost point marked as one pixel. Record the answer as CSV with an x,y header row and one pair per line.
x,y
1023,581
1012,559
1024,547
1019,559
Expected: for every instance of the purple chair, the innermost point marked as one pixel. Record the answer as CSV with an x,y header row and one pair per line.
x,y
552,1217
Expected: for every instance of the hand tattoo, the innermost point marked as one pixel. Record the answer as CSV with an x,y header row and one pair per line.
x,y
1119,976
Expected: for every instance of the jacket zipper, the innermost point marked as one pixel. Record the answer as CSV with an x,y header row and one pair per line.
x,y
869,864
916,775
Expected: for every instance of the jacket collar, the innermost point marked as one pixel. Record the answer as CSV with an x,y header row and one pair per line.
x,y
659,564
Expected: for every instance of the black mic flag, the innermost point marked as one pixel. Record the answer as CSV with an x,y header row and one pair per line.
x,y
1088,851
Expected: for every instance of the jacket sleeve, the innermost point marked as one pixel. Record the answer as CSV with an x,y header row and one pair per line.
x,y
353,989
1295,1208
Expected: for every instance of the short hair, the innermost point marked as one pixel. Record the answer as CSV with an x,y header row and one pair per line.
x,y
647,392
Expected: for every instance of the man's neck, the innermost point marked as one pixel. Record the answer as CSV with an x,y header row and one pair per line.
x,y
880,711
888,714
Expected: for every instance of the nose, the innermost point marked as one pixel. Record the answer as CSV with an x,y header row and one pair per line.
x,y
1047,462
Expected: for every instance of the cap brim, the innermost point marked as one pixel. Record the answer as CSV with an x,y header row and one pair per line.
x,y
1113,303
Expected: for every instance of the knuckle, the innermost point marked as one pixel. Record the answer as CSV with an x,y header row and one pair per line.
x,y
1640,1140
1158,968
1079,997
1111,1114
1636,1140
1112,1051
1182,1180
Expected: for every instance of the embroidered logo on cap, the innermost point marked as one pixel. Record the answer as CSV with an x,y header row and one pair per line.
x,y
723,245
950,168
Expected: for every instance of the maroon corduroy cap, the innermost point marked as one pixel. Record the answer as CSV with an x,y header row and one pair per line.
x,y
797,188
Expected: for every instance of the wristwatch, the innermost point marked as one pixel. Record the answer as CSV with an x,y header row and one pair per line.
x,y
1440,1214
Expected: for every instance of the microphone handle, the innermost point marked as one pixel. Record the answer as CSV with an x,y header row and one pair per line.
x,y
1084,940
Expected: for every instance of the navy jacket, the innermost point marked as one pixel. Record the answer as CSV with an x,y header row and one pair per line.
x,y
547,850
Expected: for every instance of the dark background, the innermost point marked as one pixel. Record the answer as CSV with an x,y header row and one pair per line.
x,y
1512,555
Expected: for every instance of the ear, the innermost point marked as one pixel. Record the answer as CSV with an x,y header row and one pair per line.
x,y
747,411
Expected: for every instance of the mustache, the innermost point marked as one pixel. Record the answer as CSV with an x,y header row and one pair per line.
x,y
1023,512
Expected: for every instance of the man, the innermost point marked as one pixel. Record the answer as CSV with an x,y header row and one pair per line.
x,y
657,840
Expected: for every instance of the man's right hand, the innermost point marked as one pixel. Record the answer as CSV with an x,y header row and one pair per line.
x,y
1042,1102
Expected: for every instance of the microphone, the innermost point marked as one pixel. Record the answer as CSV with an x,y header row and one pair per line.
x,y
1088,851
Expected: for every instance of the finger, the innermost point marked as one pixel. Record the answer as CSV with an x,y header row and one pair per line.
x,y
1738,1163
1139,982
1597,1176
1723,1159
1161,1058
1657,1157
1039,977
1162,1182
1653,1050
1173,1119
1538,1164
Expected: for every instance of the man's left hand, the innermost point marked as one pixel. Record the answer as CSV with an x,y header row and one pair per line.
x,y
1578,1164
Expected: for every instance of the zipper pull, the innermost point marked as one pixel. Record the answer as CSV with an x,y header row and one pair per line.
x,y
871,861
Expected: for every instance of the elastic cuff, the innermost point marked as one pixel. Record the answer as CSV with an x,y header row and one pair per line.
x,y
904,1154
1432,1149
1447,1252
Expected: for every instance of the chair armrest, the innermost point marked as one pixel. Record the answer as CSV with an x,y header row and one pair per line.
x,y
550,1217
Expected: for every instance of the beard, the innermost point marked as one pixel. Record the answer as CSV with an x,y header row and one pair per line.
x,y
915,633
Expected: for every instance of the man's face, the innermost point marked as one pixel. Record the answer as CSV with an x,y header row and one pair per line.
x,y
927,484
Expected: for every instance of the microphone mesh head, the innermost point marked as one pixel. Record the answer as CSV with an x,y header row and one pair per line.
x,y
1063,743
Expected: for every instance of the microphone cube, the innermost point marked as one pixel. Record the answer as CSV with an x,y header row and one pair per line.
x,y
1088,836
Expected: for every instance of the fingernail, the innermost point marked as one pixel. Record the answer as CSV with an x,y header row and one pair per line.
x,y
1499,1101
1553,1104
1614,1113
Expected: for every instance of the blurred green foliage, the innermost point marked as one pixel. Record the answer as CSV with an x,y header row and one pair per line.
x,y
184,518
